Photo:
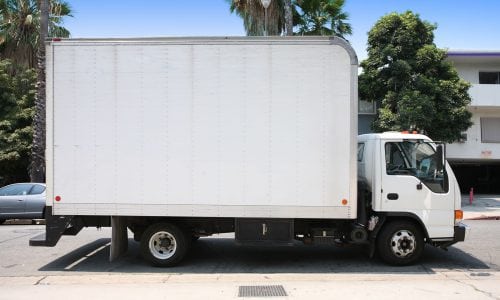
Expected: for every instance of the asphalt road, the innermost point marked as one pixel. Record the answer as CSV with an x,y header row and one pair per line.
x,y
87,253
216,268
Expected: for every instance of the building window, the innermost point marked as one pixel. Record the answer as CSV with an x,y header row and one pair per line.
x,y
489,77
366,107
489,130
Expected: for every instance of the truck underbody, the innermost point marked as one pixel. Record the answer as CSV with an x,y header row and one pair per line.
x,y
405,233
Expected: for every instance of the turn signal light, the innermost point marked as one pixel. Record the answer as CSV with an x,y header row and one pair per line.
x,y
459,215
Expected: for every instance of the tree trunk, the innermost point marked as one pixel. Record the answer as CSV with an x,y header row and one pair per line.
x,y
37,167
288,18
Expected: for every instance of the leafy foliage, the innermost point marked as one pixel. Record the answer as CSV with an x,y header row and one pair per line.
x,y
418,88
20,26
311,17
322,17
17,94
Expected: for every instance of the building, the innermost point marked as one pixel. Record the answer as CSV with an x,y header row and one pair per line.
x,y
476,158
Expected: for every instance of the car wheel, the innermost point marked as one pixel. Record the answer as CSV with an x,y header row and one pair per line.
x,y
400,243
164,244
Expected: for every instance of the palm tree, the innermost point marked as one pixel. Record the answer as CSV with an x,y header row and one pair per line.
x,y
287,5
20,28
322,17
24,26
37,165
252,13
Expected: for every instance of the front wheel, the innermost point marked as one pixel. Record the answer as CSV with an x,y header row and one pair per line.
x,y
400,243
164,245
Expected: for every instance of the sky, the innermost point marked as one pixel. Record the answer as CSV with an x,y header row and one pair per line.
x,y
461,24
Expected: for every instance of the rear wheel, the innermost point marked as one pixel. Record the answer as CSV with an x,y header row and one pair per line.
x,y
164,244
400,243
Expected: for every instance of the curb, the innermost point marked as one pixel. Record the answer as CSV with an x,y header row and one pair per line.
x,y
484,218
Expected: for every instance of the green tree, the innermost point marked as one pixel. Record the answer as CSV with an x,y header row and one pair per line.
x,y
322,17
313,17
417,86
17,94
20,28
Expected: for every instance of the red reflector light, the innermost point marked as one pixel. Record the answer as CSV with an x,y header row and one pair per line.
x,y
58,198
56,39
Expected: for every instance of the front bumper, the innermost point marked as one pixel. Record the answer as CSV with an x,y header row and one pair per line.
x,y
461,232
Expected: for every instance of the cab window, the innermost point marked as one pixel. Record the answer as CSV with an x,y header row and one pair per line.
x,y
418,159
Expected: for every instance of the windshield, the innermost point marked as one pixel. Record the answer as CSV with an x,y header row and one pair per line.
x,y
415,158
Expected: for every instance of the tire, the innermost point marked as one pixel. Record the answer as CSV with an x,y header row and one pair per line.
x,y
400,243
2,221
171,252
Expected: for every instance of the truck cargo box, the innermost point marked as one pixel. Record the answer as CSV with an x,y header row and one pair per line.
x,y
206,127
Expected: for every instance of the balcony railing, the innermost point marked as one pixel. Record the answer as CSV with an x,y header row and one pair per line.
x,y
485,95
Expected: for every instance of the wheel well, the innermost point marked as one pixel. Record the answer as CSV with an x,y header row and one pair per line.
x,y
409,218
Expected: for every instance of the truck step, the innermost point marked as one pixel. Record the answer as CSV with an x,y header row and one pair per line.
x,y
41,241
55,227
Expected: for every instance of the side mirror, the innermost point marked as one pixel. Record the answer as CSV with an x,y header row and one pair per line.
x,y
439,158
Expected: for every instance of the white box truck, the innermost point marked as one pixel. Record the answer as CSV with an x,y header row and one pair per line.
x,y
180,138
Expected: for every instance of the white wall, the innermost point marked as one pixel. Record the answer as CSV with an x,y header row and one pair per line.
x,y
470,71
473,148
485,103
485,95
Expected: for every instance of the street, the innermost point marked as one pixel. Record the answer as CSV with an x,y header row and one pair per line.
x,y
217,265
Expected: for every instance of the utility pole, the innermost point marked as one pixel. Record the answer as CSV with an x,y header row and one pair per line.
x,y
266,4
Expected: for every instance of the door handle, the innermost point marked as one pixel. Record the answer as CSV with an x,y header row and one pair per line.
x,y
20,200
392,196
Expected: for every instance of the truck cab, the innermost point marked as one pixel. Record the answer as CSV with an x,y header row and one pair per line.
x,y
409,183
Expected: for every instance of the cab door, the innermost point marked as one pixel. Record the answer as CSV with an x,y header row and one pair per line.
x,y
411,183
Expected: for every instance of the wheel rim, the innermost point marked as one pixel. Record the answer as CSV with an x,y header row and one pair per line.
x,y
162,245
403,243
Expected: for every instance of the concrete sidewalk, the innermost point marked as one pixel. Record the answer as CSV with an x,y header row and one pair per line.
x,y
483,207
433,285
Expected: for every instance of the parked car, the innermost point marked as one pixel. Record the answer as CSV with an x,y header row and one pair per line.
x,y
22,201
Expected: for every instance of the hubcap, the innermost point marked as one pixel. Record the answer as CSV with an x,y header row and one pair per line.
x,y
162,245
403,243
